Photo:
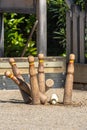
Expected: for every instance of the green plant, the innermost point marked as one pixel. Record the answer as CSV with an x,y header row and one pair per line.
x,y
31,49
17,29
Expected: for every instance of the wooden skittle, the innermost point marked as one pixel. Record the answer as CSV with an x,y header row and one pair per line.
x,y
26,88
17,74
25,85
15,68
33,81
69,81
25,91
41,74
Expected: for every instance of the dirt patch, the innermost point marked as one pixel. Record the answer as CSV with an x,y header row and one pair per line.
x,y
16,115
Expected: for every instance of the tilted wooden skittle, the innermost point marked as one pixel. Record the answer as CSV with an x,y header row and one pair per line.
x,y
69,81
15,68
22,85
17,74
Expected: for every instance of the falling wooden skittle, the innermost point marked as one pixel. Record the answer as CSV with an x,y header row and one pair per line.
x,y
15,68
17,74
69,81
23,87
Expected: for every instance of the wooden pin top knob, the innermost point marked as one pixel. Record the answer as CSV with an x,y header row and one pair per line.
x,y
41,56
72,57
8,74
11,60
31,59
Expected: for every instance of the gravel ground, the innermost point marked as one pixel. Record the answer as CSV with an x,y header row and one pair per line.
x,y
15,115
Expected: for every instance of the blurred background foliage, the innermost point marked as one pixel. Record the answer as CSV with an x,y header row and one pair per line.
x,y
18,28
56,13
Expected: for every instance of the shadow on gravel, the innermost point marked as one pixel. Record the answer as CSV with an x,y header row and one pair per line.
x,y
12,101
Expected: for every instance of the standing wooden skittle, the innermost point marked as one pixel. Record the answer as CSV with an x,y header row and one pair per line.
x,y
41,74
67,100
18,75
33,82
21,85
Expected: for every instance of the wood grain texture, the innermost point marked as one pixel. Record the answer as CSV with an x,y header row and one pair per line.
x,y
51,65
80,75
